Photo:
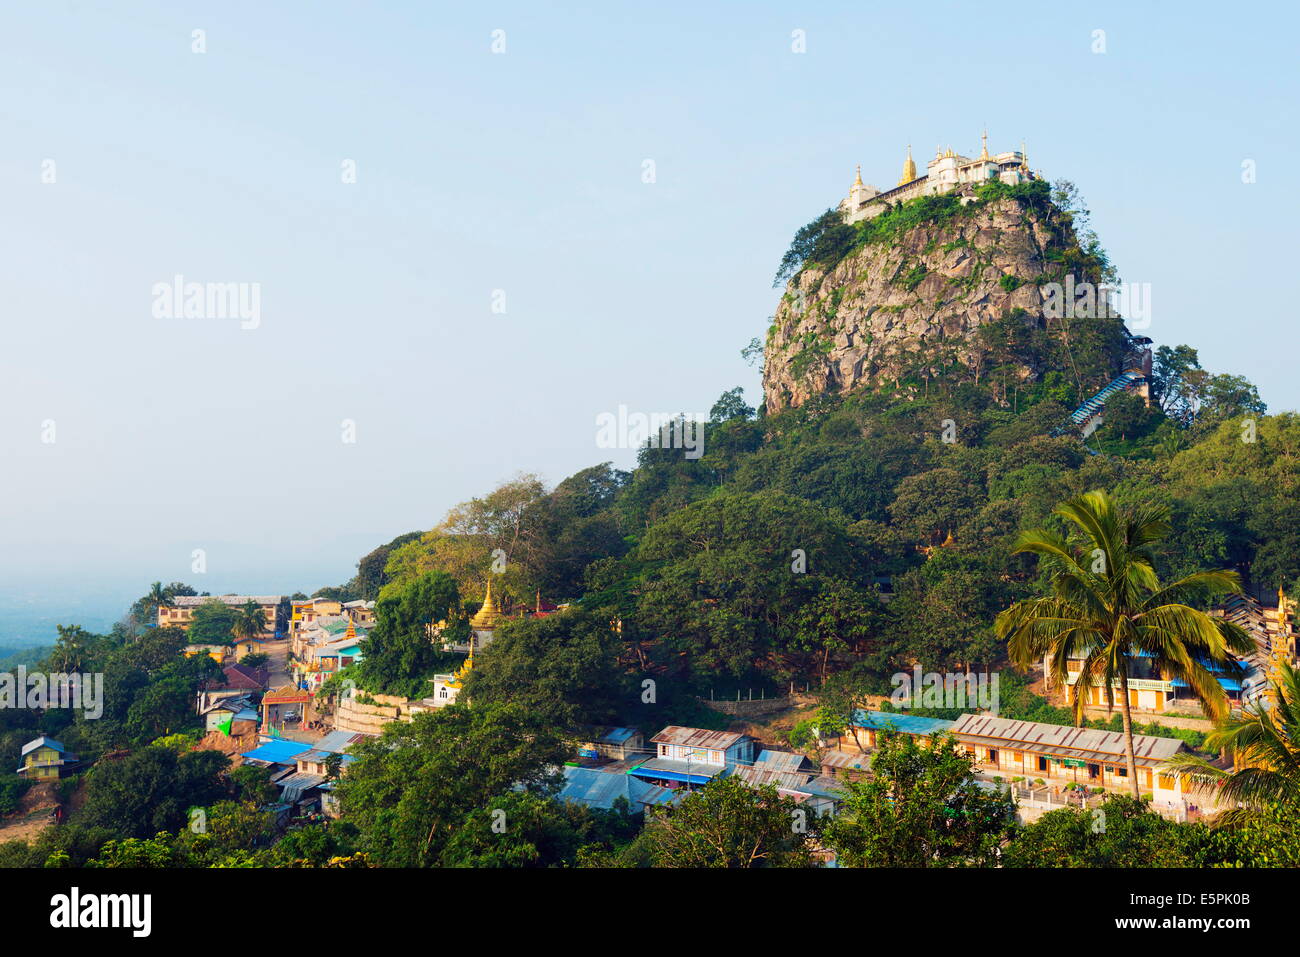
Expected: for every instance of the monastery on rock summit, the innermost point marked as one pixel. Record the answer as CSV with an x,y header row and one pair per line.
x,y
948,171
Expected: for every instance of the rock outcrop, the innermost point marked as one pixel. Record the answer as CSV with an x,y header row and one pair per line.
x,y
909,305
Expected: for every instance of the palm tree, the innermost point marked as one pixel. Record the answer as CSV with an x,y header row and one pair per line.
x,y
1264,742
250,622
156,599
1108,608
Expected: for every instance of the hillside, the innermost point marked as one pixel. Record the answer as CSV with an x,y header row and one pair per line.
x,y
947,287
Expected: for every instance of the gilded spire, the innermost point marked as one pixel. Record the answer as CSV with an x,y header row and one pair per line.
x,y
909,168
459,677
485,618
351,633
857,180
984,140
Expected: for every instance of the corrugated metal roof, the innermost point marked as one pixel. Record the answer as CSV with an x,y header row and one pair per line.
x,y
785,780
846,759
678,770
193,601
598,789
43,741
1103,746
293,787
697,738
906,723
781,761
339,741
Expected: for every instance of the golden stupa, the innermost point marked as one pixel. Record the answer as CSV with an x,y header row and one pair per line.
x,y
909,168
485,618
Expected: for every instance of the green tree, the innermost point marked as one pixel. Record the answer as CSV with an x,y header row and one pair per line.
x,y
151,790
398,652
564,665
921,808
724,579
729,824
213,623
1108,607
250,621
824,241
1122,832
414,786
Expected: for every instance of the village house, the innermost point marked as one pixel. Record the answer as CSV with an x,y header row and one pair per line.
x,y
278,755
324,649
612,743
301,771
694,755
45,759
1061,754
360,612
819,793
235,715
1243,678
180,612
846,765
218,653
600,788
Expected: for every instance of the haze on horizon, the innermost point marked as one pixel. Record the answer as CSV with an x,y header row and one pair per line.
x,y
522,172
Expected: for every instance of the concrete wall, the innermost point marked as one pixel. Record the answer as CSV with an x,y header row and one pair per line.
x,y
352,715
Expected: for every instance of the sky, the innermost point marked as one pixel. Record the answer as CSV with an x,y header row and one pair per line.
x,y
472,229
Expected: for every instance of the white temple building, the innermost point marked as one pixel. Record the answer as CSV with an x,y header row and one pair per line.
x,y
946,172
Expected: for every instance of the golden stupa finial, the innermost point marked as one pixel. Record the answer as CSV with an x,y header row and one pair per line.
x,y
1024,156
984,140
351,633
857,180
487,616
909,168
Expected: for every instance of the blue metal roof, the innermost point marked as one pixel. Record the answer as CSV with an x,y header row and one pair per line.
x,y
1229,684
669,769
906,723
597,788
280,751
617,735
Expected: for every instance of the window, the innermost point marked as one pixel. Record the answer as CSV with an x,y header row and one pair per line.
x,y
993,756
1042,764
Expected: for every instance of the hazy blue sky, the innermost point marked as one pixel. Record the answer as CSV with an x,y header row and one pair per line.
x,y
522,172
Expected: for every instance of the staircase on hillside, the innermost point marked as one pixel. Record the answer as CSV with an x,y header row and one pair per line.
x,y
1087,417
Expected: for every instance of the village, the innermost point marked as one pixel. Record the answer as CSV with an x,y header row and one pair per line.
x,y
273,715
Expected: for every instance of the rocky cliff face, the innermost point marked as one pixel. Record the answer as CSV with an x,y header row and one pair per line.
x,y
907,308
